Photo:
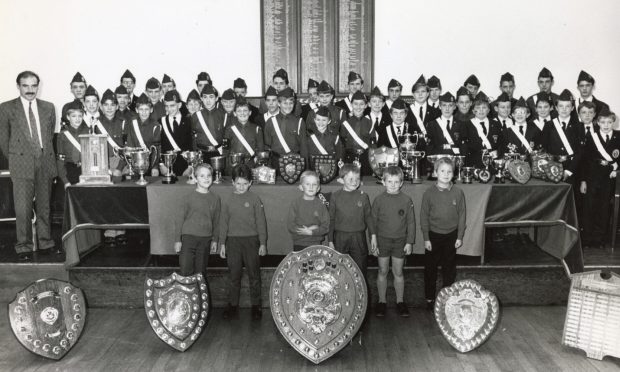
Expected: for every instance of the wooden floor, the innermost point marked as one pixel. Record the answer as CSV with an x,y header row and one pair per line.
x,y
527,339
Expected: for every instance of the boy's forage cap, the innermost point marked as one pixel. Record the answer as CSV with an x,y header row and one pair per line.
x,y
153,83
418,83
462,92
324,87
507,77
399,104
358,95
323,111
434,82
91,91
121,90
108,95
566,95
312,83
286,93
193,95
229,94
473,80
583,76
520,103
78,78
376,92
604,112
143,99
128,75
241,101
271,91
482,97
166,79
75,105
394,83
172,95
544,97
545,73
208,89
354,76
503,97
203,76
281,73
239,83
446,97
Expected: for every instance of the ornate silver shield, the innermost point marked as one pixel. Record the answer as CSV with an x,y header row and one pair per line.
x,y
326,167
177,307
47,317
466,314
318,301
291,166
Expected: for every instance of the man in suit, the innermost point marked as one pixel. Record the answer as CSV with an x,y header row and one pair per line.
x,y
585,85
26,132
545,84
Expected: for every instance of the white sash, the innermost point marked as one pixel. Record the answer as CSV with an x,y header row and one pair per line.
x,y
73,141
558,128
446,134
521,137
242,140
390,131
205,129
483,137
348,102
276,127
354,135
318,145
418,118
136,129
105,132
169,135
599,146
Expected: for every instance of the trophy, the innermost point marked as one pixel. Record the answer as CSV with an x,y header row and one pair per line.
x,y
357,153
262,158
405,147
193,158
413,158
218,163
94,159
381,157
125,154
499,167
168,159
141,161
468,174
459,161
484,175
236,158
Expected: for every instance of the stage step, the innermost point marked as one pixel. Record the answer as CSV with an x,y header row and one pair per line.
x,y
16,276
513,285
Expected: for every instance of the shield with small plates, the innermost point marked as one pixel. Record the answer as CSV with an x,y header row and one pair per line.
x,y
291,166
519,171
554,171
318,301
177,307
381,157
48,316
466,314
326,166
539,159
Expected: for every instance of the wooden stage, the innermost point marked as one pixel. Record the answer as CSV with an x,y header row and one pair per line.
x,y
527,339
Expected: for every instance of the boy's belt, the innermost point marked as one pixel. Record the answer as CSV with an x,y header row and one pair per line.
x,y
604,162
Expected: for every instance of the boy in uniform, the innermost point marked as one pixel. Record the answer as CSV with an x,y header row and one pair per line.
x,y
208,124
350,216
434,91
395,89
445,135
176,133
522,137
472,84
122,97
285,133
585,85
243,238
545,84
394,220
91,107
356,84
377,117
228,101
389,134
69,151
194,103
273,109
326,99
308,218
244,137
78,88
463,103
543,112
321,140
280,82
502,107
154,92
168,84
507,87
129,82
357,133
481,134
145,131
241,90
313,99
601,155
420,113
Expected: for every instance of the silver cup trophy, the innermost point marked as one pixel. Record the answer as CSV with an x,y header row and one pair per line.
x,y
218,163
193,158
499,167
459,161
468,174
262,158
413,158
125,154
168,158
142,162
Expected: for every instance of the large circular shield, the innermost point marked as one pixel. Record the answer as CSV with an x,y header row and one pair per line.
x,y
318,301
466,314
47,317
177,307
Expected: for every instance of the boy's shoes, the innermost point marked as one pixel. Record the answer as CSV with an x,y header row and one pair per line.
x,y
257,312
231,312
401,307
110,241
430,305
121,239
380,309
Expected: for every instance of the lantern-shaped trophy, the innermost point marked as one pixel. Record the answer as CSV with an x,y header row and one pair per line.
x,y
94,159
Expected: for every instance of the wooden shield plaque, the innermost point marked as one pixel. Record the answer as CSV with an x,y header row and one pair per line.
x,y
318,301
466,314
291,166
326,166
519,171
48,316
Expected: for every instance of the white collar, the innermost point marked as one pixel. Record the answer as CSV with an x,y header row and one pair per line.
x,y
26,103
589,99
177,117
375,116
418,105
